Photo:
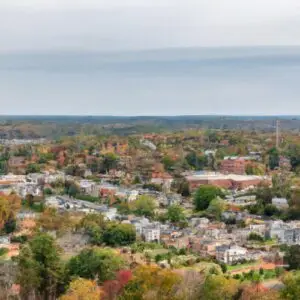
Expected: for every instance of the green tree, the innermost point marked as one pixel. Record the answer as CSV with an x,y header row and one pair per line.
x,y
198,162
273,158
94,225
40,269
271,210
216,207
293,257
168,162
109,161
143,206
95,263
175,214
119,234
33,168
204,195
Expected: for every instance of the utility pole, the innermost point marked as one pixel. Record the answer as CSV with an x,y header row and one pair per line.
x,y
277,133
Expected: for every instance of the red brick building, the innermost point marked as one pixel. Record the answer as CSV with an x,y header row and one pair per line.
x,y
232,181
233,166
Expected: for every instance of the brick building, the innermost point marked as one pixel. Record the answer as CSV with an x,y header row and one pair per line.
x,y
233,166
230,181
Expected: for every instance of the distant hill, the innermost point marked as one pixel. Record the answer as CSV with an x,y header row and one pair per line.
x,y
57,126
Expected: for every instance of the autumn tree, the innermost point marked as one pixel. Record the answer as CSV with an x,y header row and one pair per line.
x,y
9,206
83,289
52,220
258,292
219,287
113,288
151,282
291,290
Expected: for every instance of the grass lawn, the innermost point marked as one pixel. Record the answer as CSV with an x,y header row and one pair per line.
x,y
242,266
155,252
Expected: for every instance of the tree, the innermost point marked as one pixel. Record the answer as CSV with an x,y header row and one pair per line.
x,y
119,234
258,292
52,220
273,158
109,162
113,288
271,210
204,195
39,267
182,187
73,190
9,206
94,225
83,289
151,282
255,169
293,257
143,206
219,287
33,168
216,207
175,214
264,193
168,162
291,289
95,263
198,162
253,236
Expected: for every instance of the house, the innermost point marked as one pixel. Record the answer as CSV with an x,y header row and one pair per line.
x,y
199,222
151,233
132,195
110,214
204,247
87,187
231,254
4,240
280,203
258,228
276,229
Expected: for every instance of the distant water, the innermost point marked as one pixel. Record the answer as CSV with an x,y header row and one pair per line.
x,y
161,82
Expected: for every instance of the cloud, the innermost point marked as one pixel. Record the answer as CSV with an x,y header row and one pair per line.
x,y
38,25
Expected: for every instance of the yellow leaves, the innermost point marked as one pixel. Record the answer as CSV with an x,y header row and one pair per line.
x,y
83,289
9,206
153,283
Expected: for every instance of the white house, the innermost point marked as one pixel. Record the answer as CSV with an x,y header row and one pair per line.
x,y
151,234
132,196
231,254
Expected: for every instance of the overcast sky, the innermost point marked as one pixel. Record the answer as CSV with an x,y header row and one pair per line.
x,y
138,24
244,81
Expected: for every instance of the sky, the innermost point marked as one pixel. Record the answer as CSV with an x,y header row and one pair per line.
x,y
95,57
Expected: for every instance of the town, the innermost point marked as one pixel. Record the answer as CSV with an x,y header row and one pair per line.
x,y
192,203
